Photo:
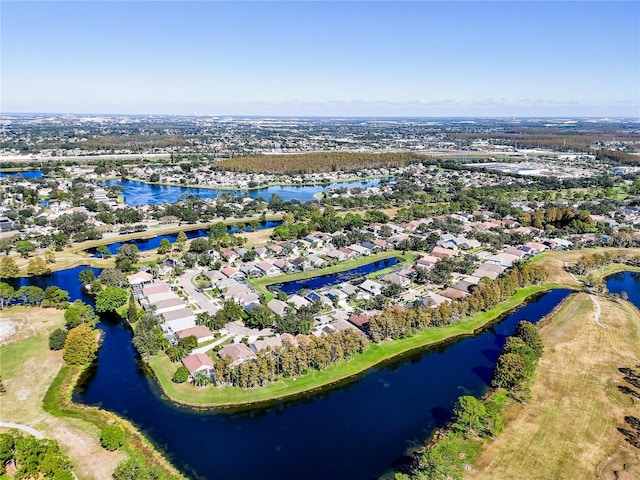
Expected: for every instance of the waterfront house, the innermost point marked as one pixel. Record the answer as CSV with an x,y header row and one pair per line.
x,y
198,363
236,353
268,269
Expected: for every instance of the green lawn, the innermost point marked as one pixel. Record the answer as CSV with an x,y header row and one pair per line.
x,y
314,380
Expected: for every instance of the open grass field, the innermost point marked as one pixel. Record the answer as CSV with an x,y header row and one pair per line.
x,y
28,367
554,261
315,380
568,429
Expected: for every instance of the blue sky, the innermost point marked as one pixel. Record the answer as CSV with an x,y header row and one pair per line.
x,y
322,58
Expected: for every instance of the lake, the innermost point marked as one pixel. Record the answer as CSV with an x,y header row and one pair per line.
x,y
357,430
140,193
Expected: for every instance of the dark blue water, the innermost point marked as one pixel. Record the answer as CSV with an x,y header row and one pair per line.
x,y
332,279
153,242
30,174
139,193
626,282
355,431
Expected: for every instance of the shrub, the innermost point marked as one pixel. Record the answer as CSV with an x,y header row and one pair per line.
x,y
57,339
112,437
181,375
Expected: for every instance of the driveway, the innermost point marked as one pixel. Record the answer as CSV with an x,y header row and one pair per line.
x,y
185,282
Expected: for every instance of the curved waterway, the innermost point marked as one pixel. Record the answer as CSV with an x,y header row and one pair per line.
x,y
357,430
331,279
140,193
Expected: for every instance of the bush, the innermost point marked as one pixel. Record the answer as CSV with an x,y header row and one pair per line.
x,y
57,339
112,437
181,375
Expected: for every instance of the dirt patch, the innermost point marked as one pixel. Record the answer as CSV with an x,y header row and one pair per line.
x,y
7,329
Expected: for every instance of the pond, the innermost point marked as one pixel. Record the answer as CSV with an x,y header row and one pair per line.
x,y
357,430
321,281
140,193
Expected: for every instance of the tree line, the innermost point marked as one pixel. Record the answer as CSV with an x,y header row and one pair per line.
x,y
271,364
395,323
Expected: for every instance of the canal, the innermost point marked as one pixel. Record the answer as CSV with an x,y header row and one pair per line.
x,y
357,430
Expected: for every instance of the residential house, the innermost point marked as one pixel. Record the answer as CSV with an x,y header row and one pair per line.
x,y
371,287
201,332
278,307
298,301
231,272
360,321
268,269
442,252
168,305
336,255
453,293
301,263
236,353
315,261
396,279
198,363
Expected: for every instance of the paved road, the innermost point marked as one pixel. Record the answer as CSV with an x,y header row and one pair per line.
x,y
24,428
201,298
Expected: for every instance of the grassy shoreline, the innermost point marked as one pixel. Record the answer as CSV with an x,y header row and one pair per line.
x,y
58,402
343,371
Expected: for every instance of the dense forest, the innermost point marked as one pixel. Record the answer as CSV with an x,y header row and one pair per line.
x,y
318,162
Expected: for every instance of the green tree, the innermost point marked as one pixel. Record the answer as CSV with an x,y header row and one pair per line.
x,y
50,256
510,371
530,335
7,294
113,276
260,317
86,276
132,310
81,345
57,339
164,247
30,294
181,375
127,256
8,268
79,312
112,437
111,298
470,414
55,297
25,247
